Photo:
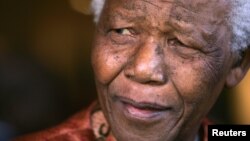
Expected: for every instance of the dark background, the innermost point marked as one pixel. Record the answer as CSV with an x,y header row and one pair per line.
x,y
45,70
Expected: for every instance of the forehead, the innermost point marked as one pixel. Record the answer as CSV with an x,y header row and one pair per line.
x,y
194,4
184,9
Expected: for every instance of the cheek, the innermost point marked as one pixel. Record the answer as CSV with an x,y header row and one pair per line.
x,y
196,83
199,85
108,61
189,83
105,65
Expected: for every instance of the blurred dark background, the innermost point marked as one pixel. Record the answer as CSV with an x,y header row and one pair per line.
x,y
45,71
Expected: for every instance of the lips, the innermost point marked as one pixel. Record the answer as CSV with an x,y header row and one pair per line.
x,y
142,110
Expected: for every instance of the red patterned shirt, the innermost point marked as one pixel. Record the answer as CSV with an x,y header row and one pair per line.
x,y
87,125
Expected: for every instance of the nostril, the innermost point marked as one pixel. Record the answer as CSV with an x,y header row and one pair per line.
x,y
145,73
156,78
153,83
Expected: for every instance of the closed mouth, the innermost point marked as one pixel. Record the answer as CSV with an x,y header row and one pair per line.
x,y
142,110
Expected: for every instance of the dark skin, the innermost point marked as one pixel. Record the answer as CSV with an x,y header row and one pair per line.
x,y
160,65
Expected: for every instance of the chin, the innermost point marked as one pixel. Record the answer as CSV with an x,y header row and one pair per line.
x,y
132,121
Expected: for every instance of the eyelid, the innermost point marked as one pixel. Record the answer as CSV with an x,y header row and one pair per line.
x,y
190,42
125,31
177,41
122,36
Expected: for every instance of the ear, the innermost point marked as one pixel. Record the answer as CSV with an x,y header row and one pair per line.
x,y
238,72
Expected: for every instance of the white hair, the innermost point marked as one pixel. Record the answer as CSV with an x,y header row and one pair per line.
x,y
96,7
239,22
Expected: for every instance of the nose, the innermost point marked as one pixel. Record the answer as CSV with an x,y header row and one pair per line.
x,y
147,66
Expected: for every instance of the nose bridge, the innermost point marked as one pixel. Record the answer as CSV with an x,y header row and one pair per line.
x,y
147,65
147,57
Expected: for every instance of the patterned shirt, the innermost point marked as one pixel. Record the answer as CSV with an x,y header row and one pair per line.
x,y
87,125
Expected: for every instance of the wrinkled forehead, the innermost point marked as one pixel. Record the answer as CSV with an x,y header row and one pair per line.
x,y
196,5
186,10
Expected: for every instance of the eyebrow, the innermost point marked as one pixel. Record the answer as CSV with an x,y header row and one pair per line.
x,y
190,31
166,1
169,1
151,3
114,16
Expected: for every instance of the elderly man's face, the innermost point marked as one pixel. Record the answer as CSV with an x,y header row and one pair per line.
x,y
160,65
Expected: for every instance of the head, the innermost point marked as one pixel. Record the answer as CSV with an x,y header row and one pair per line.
x,y
161,65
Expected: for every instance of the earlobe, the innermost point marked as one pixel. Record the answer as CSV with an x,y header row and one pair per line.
x,y
237,73
234,77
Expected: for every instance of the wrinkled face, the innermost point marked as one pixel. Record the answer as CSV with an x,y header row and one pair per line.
x,y
160,65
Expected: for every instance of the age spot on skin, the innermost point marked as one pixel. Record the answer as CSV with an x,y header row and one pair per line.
x,y
117,58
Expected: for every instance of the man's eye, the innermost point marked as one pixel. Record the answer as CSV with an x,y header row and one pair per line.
x,y
122,36
123,31
175,42
181,48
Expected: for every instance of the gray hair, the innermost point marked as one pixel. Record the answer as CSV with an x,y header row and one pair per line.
x,y
239,21
96,8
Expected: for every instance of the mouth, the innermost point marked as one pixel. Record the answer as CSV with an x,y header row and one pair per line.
x,y
142,110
